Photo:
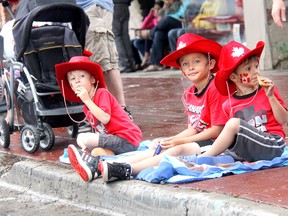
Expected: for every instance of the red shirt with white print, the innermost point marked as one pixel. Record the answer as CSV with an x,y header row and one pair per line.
x,y
204,109
256,110
119,124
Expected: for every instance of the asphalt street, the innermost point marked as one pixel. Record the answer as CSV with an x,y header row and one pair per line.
x,y
19,201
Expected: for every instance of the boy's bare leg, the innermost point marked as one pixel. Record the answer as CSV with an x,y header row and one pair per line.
x,y
184,149
142,155
225,139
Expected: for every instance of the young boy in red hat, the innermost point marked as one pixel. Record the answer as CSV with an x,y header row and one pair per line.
x,y
197,58
82,81
256,113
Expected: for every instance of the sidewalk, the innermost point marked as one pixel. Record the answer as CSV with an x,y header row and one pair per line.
x,y
155,101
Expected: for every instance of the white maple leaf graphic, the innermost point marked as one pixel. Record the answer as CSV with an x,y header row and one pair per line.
x,y
237,51
181,45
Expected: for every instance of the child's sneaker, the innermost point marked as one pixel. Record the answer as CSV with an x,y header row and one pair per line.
x,y
215,160
128,112
115,171
209,160
86,165
64,158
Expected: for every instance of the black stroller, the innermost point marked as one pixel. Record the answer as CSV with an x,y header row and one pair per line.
x,y
47,35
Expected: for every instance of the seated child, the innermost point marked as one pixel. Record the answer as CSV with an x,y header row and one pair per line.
x,y
81,80
255,109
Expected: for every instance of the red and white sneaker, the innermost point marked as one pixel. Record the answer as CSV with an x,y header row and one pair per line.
x,y
85,164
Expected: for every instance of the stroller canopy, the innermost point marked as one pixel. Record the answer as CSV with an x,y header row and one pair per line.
x,y
55,13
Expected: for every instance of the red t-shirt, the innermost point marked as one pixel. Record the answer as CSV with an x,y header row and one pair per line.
x,y
255,109
119,124
204,110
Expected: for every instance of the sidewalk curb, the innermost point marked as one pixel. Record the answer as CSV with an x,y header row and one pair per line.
x,y
129,197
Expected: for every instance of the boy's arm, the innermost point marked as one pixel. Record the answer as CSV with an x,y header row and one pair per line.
x,y
280,113
190,131
185,133
102,116
207,134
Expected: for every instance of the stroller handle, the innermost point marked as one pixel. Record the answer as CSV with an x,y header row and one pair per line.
x,y
9,2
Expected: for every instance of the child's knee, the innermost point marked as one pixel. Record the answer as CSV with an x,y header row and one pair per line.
x,y
233,124
81,140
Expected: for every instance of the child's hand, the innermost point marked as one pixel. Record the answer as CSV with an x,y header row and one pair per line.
x,y
268,86
165,144
82,93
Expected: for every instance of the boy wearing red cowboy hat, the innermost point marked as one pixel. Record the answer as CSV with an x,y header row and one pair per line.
x,y
197,58
257,113
82,81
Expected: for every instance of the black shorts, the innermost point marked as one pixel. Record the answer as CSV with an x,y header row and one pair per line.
x,y
252,144
115,143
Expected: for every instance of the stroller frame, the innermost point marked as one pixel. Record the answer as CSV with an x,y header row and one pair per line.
x,y
40,132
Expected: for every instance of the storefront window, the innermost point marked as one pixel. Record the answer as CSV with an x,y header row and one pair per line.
x,y
220,20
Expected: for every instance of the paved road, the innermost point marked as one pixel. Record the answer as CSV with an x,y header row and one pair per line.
x,y
17,201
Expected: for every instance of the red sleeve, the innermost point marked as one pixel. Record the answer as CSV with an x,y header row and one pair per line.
x,y
103,100
216,101
278,97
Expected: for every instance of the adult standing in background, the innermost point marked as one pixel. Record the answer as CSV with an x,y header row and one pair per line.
x,y
159,34
120,28
100,41
279,13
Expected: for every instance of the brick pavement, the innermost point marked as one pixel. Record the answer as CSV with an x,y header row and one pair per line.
x,y
154,99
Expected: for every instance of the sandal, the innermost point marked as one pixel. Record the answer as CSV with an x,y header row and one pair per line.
x,y
209,160
153,68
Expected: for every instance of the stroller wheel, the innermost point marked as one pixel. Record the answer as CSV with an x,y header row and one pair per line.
x,y
4,133
30,139
73,130
49,138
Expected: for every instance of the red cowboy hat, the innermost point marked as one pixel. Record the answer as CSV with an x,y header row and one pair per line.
x,y
232,55
77,63
192,43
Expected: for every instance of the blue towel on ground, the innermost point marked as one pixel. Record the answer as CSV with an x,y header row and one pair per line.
x,y
174,171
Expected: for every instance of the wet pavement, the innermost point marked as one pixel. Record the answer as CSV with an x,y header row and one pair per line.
x,y
154,99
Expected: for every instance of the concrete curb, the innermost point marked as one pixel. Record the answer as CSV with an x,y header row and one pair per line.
x,y
128,197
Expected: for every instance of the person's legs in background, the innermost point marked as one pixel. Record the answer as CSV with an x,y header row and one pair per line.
x,y
172,38
139,44
148,45
166,24
137,55
100,41
114,84
143,47
160,41
159,35
120,29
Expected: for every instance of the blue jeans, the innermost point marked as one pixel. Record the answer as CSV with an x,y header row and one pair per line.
x,y
160,38
173,35
142,45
